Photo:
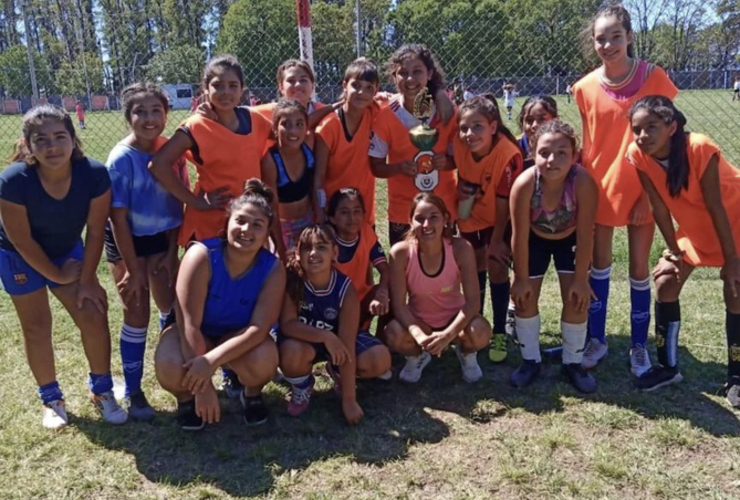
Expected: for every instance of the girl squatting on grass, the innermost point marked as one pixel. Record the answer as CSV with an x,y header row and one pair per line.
x,y
48,195
225,289
434,294
552,209
141,239
320,320
688,180
604,97
488,160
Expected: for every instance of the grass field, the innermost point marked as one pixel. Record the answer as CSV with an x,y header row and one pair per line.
x,y
439,439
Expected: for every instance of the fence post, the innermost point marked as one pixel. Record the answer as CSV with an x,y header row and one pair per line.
x,y
29,51
304,30
358,21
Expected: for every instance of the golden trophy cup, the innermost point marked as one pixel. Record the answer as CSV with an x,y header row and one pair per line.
x,y
424,138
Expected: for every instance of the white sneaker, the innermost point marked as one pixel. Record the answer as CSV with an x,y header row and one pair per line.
x,y
55,416
109,408
639,360
471,371
386,376
595,351
411,372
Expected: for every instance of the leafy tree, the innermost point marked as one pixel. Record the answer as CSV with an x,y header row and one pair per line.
x,y
181,64
15,71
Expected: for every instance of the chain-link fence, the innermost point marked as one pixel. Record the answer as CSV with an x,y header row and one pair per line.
x,y
86,51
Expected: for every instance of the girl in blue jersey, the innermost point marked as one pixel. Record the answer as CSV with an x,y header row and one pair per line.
x,y
320,321
141,241
48,195
225,294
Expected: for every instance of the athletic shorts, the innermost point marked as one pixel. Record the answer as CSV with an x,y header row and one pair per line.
x,y
144,246
397,231
19,278
563,252
482,238
363,342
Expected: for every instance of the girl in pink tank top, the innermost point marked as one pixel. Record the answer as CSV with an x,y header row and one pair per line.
x,y
435,295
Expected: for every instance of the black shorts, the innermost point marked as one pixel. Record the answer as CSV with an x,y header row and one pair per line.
x,y
144,246
482,238
397,231
563,252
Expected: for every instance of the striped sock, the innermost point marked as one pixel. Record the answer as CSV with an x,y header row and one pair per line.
x,y
667,326
640,315
133,346
50,392
597,311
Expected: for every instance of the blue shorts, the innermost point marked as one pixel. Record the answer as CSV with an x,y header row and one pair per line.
x,y
19,278
363,342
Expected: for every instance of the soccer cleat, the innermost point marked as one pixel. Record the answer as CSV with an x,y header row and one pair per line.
x,y
732,393
109,408
510,326
497,353
187,419
579,377
525,374
55,416
639,360
411,372
658,376
471,371
139,408
594,352
255,411
300,397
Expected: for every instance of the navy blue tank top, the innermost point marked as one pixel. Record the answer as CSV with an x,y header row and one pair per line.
x,y
289,191
320,308
231,302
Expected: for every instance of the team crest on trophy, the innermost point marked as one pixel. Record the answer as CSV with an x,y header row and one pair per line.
x,y
424,138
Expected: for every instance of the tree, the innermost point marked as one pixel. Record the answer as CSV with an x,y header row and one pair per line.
x,y
83,75
176,65
14,72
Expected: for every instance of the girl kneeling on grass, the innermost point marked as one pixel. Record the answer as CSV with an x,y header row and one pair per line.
x,y
552,212
320,320
687,179
225,294
47,197
434,294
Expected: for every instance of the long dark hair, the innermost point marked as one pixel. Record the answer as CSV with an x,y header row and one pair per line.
x,y
295,282
550,105
677,177
425,55
487,105
610,9
32,121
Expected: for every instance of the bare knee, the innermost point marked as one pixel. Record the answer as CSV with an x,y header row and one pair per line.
x,y
258,366
374,362
667,288
497,272
168,361
476,335
296,358
398,339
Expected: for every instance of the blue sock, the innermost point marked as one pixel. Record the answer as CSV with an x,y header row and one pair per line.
x,y
599,281
133,345
230,375
500,304
50,392
166,318
640,315
482,285
99,384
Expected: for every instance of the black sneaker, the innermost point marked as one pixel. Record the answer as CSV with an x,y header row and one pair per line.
x,y
579,377
525,374
187,418
255,411
658,376
732,393
231,385
139,408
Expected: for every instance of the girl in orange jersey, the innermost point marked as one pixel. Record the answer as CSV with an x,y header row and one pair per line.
x,y
412,68
687,179
288,168
358,250
225,153
488,160
604,97
343,139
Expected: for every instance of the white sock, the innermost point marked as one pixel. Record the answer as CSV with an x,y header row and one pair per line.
x,y
574,337
297,381
528,334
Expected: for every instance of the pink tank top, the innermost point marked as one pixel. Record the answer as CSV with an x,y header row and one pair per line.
x,y
434,299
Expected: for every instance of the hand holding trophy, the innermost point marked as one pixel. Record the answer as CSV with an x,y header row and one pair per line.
x,y
424,138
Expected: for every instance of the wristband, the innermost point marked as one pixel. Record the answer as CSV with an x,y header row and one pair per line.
x,y
321,195
672,256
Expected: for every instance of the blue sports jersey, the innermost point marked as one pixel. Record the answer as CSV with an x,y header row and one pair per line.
x,y
320,308
231,302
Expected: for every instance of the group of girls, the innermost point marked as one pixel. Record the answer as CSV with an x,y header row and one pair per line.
x,y
284,207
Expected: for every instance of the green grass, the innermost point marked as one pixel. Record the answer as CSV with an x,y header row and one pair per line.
x,y
439,439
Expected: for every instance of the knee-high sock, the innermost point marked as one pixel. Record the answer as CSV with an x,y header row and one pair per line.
x,y
528,333
640,314
574,338
500,303
732,325
667,326
133,346
597,311
482,286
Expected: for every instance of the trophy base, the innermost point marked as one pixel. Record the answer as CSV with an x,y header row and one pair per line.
x,y
427,179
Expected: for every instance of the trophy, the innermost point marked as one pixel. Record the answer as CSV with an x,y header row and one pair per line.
x,y
424,137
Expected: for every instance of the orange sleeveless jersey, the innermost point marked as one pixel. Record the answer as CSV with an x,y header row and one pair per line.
x,y
606,135
696,234
401,189
356,269
349,164
228,159
487,173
